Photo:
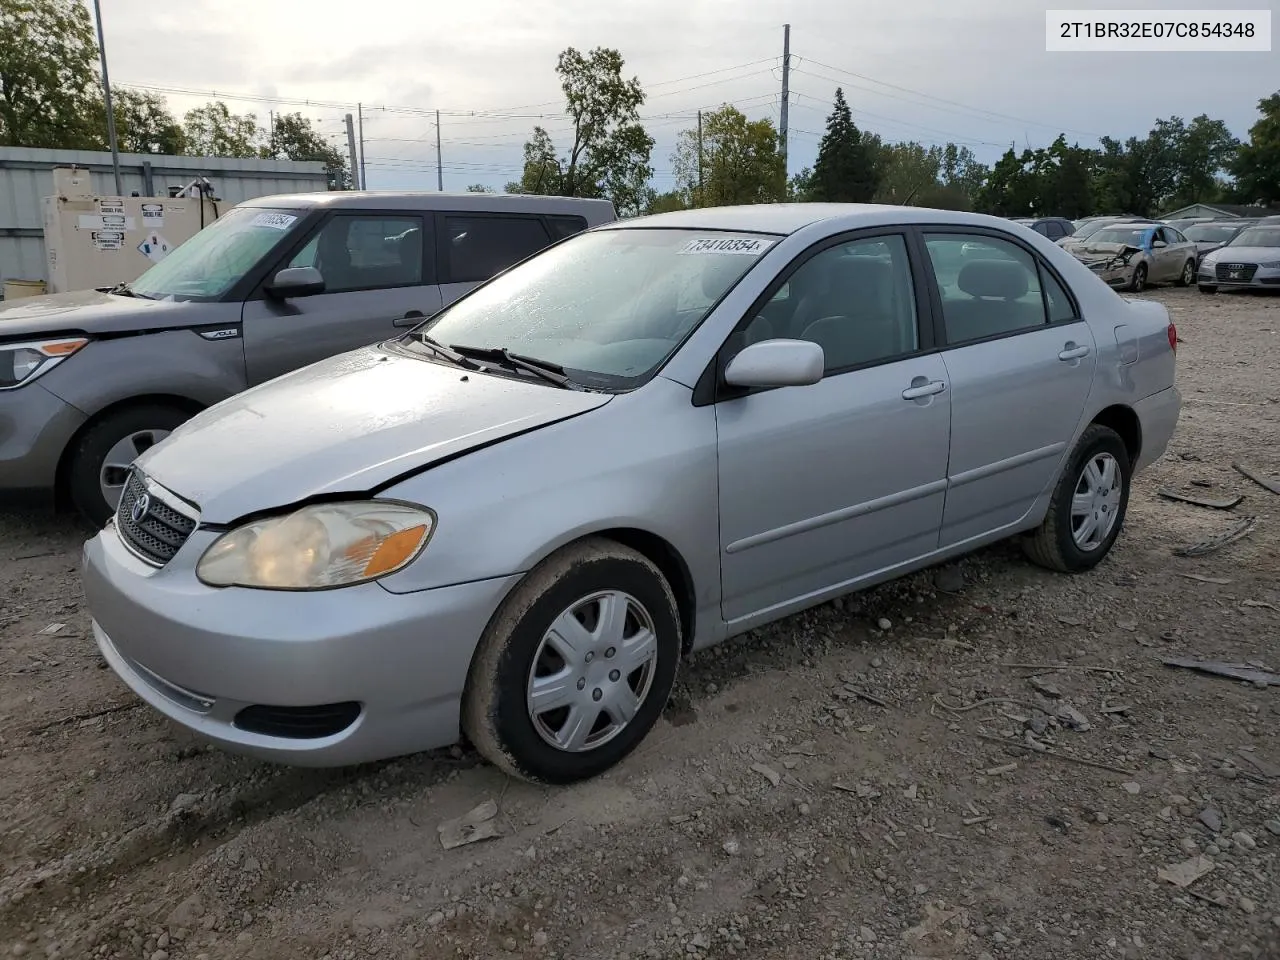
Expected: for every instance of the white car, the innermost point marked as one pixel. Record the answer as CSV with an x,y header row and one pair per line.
x,y
1251,259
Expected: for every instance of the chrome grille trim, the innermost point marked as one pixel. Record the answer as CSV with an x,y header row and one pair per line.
x,y
163,525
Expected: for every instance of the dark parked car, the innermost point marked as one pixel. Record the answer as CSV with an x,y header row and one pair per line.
x,y
1055,228
1212,234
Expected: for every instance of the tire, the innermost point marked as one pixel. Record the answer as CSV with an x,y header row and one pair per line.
x,y
144,425
1054,544
1188,275
1207,288
1139,281
498,714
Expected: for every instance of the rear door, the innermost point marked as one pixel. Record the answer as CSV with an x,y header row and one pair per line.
x,y
1020,362
472,247
379,279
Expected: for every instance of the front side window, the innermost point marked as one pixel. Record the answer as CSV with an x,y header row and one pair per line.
x,y
477,248
609,307
365,253
855,300
989,287
215,259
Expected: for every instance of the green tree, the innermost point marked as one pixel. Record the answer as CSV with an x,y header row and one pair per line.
x,y
668,202
800,186
845,171
906,172
1257,164
292,137
144,123
48,75
739,161
610,150
479,188
214,131
962,173
1204,150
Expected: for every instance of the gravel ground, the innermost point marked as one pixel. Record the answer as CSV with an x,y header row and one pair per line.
x,y
775,811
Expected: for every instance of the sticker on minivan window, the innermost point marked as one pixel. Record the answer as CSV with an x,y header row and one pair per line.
x,y
750,246
277,221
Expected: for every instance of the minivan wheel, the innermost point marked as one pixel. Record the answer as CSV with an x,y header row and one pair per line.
x,y
1188,274
575,666
100,463
1088,505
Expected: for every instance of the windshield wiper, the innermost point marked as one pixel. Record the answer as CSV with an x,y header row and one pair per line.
x,y
440,350
544,369
122,289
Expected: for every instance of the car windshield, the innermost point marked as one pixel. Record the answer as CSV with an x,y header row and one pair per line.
x,y
1089,229
1126,235
1268,236
607,307
207,265
1210,232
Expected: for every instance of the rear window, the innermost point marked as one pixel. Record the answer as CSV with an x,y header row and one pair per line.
x,y
563,226
478,247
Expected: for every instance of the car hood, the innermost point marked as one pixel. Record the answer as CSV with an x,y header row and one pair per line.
x,y
1101,251
91,312
1247,254
349,424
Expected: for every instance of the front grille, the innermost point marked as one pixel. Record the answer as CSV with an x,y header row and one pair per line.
x,y
157,531
298,723
1245,271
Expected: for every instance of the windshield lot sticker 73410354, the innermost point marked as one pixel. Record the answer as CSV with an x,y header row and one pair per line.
x,y
751,246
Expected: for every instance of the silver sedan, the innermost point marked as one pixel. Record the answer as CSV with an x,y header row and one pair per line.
x,y
512,522
1251,259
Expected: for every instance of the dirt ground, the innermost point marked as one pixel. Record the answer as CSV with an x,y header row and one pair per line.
x,y
774,812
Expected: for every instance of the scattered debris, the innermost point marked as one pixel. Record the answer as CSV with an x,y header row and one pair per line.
x,y
1203,579
1258,603
1234,671
1073,718
949,642
1187,872
768,773
1054,753
1044,688
1071,621
53,629
1001,770
91,715
850,691
974,821
1267,483
1051,667
477,824
1119,708
1201,501
1132,787
1211,819
1236,532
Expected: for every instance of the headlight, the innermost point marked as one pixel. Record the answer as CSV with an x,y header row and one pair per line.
x,y
321,546
1270,265
20,362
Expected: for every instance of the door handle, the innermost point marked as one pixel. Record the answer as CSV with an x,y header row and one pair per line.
x,y
410,319
923,390
1073,353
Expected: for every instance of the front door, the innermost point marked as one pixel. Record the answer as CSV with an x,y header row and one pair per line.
x,y
1020,362
823,485
378,281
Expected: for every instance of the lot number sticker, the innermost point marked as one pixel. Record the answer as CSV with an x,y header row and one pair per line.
x,y
276,221
750,247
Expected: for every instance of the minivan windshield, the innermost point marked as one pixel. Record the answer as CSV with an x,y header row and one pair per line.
x,y
1268,236
207,265
607,307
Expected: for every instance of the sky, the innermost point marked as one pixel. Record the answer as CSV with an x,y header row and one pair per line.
x,y
974,72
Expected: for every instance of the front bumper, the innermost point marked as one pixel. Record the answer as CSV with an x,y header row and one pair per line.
x,y
203,656
1114,275
35,428
1264,278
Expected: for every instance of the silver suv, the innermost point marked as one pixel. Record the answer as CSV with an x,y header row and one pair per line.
x,y
89,380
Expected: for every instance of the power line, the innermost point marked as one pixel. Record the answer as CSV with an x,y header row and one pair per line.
x,y
953,137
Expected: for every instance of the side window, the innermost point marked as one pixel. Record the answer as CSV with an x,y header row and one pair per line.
x,y
479,247
562,227
1041,227
1059,304
365,253
855,300
989,286
1055,230
1176,236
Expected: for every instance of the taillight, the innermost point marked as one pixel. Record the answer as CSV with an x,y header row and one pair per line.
x,y
1173,338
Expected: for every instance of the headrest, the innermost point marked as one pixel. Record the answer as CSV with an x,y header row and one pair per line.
x,y
1002,279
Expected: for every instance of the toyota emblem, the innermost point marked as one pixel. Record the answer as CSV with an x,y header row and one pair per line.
x,y
140,508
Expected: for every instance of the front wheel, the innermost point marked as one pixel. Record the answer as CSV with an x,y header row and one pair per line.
x,y
1188,274
1208,288
1088,505
576,665
1139,281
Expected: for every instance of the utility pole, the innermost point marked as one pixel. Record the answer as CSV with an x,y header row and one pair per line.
x,y
351,149
786,92
439,160
699,203
106,96
364,185
271,132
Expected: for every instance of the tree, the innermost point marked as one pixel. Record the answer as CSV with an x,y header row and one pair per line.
x,y
1257,165
905,171
610,151
739,161
666,202
845,171
48,75
1202,151
479,188
214,131
144,123
292,137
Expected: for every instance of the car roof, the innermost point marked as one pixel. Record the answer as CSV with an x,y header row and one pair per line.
x,y
788,218
597,211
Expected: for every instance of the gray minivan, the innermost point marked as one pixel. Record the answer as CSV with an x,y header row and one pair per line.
x,y
88,380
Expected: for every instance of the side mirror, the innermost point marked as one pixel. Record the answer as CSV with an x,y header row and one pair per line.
x,y
776,363
296,282
1158,244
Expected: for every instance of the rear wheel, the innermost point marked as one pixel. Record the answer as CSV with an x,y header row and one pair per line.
x,y
100,462
1208,288
1088,505
1139,281
576,665
1188,275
